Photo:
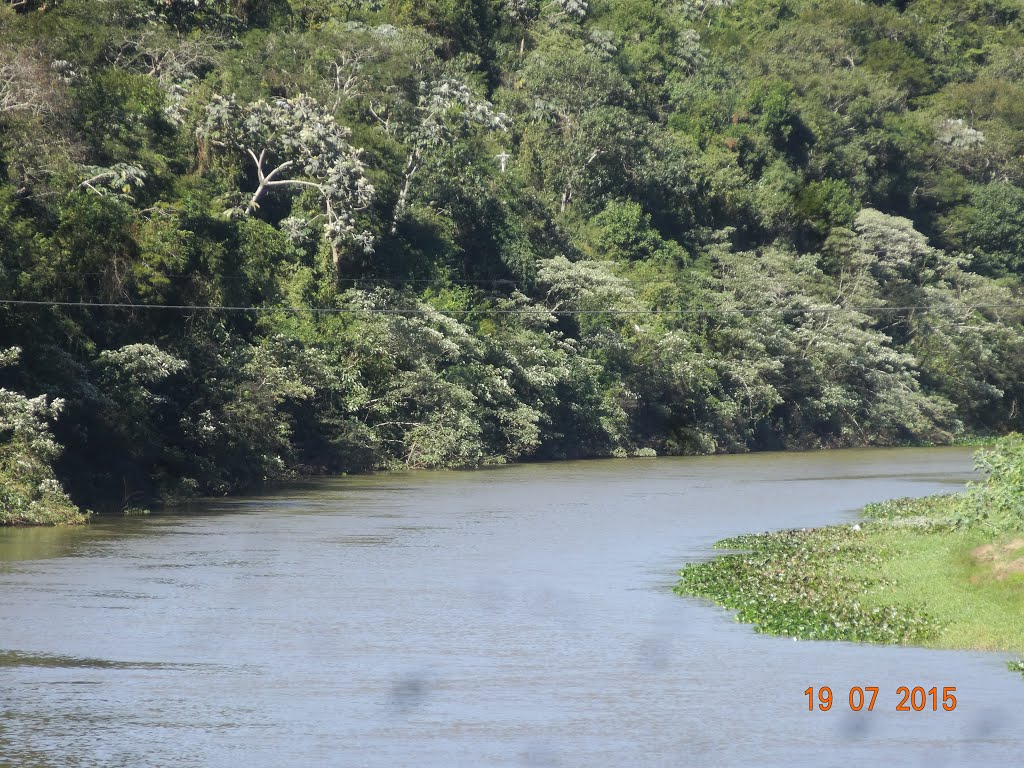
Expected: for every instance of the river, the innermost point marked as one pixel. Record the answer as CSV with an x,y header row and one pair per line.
x,y
516,616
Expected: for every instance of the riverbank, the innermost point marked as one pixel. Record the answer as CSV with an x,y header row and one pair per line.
x,y
939,572
30,495
23,503
32,508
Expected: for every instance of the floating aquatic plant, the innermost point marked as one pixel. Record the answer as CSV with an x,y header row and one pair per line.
x,y
789,583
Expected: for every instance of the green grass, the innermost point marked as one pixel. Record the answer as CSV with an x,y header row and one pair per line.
x,y
813,584
885,584
935,573
940,572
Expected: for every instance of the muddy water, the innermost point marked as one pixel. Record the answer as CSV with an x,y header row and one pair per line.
x,y
515,616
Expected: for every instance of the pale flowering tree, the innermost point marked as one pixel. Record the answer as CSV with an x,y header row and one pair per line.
x,y
134,369
28,84
576,9
959,135
175,62
698,9
118,180
445,111
297,144
705,5
602,43
689,53
520,13
29,491
24,419
588,286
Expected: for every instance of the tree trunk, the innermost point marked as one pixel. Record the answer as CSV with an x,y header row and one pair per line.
x,y
411,165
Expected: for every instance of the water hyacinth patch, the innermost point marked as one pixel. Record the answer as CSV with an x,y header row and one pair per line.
x,y
790,583
944,571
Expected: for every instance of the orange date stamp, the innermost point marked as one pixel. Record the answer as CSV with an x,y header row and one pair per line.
x,y
911,699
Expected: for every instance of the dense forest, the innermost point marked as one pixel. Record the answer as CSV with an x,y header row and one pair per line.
x,y
246,240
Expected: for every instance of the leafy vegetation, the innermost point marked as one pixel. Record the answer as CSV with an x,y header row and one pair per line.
x,y
794,583
459,232
943,571
29,493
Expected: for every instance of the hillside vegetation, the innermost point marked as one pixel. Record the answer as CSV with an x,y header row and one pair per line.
x,y
332,235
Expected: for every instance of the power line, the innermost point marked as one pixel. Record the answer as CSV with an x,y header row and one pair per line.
x,y
440,280
540,312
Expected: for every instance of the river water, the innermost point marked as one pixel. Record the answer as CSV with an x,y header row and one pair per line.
x,y
518,616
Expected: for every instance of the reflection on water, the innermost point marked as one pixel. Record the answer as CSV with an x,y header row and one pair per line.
x,y
54,661
517,616
39,543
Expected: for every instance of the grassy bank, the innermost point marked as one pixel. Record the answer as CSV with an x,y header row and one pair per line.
x,y
941,572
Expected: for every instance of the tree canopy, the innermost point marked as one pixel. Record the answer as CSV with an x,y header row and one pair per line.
x,y
242,240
